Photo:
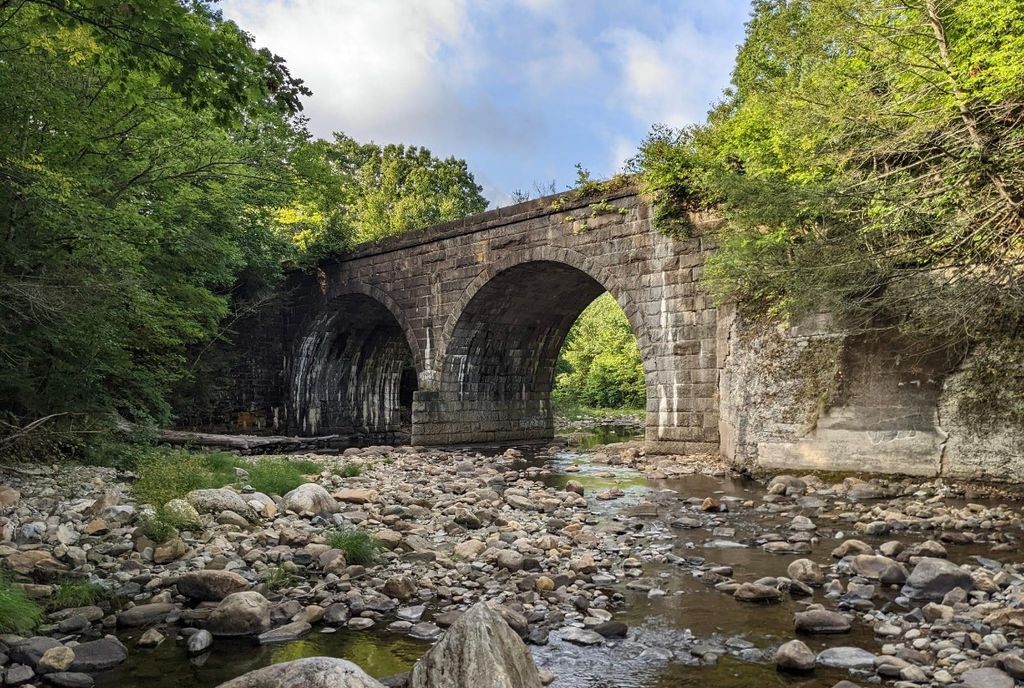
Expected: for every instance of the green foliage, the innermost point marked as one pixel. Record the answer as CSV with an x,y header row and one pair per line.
x,y
18,612
357,193
133,200
869,161
279,577
71,594
157,527
600,363
278,475
349,470
358,545
169,474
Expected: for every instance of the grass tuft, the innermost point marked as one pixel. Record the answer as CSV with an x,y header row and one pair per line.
x,y
77,594
349,470
18,612
358,545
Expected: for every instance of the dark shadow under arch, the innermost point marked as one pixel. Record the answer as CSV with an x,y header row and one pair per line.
x,y
353,372
498,365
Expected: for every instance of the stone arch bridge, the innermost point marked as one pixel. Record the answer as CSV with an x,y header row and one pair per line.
x,y
460,325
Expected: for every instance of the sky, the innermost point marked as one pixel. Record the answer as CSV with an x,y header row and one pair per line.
x,y
523,90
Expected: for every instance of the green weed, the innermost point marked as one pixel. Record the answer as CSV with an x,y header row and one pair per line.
x,y
18,612
77,594
358,545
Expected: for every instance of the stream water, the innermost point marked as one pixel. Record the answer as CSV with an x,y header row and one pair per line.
x,y
671,629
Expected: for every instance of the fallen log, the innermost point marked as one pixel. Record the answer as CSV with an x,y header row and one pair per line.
x,y
251,444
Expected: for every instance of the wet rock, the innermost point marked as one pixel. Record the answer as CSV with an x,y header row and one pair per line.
x,y
99,655
795,656
882,569
580,636
932,578
211,585
425,630
199,642
805,571
309,499
852,547
846,658
151,638
611,629
311,672
144,615
821,621
70,679
478,650
240,614
30,650
286,633
754,592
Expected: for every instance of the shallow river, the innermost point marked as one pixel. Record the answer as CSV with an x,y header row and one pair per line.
x,y
664,628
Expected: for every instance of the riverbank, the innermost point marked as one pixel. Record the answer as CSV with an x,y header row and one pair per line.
x,y
619,568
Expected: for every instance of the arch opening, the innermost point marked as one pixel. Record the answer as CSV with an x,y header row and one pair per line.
x,y
498,371
354,374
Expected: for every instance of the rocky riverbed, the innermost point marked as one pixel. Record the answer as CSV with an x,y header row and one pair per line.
x,y
617,568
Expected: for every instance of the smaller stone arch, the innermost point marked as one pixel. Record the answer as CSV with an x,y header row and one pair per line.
x,y
353,368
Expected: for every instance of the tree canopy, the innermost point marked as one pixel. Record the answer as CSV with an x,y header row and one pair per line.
x,y
149,159
869,161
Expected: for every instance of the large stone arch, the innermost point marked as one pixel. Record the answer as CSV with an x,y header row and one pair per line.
x,y
498,348
550,254
349,371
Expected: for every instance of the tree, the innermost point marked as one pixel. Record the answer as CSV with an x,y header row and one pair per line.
x,y
362,192
600,364
869,160
140,165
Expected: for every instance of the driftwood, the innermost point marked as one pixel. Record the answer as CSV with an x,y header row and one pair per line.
x,y
250,444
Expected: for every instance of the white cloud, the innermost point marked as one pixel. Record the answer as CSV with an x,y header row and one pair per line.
x,y
673,78
386,70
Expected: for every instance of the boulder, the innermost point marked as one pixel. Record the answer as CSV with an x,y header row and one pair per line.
x,y
932,578
356,495
846,658
986,677
311,672
478,650
99,655
286,633
210,585
199,642
805,571
180,512
218,500
240,614
819,621
400,587
882,569
144,614
309,499
755,592
795,656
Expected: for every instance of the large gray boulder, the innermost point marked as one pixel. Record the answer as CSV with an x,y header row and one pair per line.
x,y
479,650
311,672
932,578
218,500
240,614
309,499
